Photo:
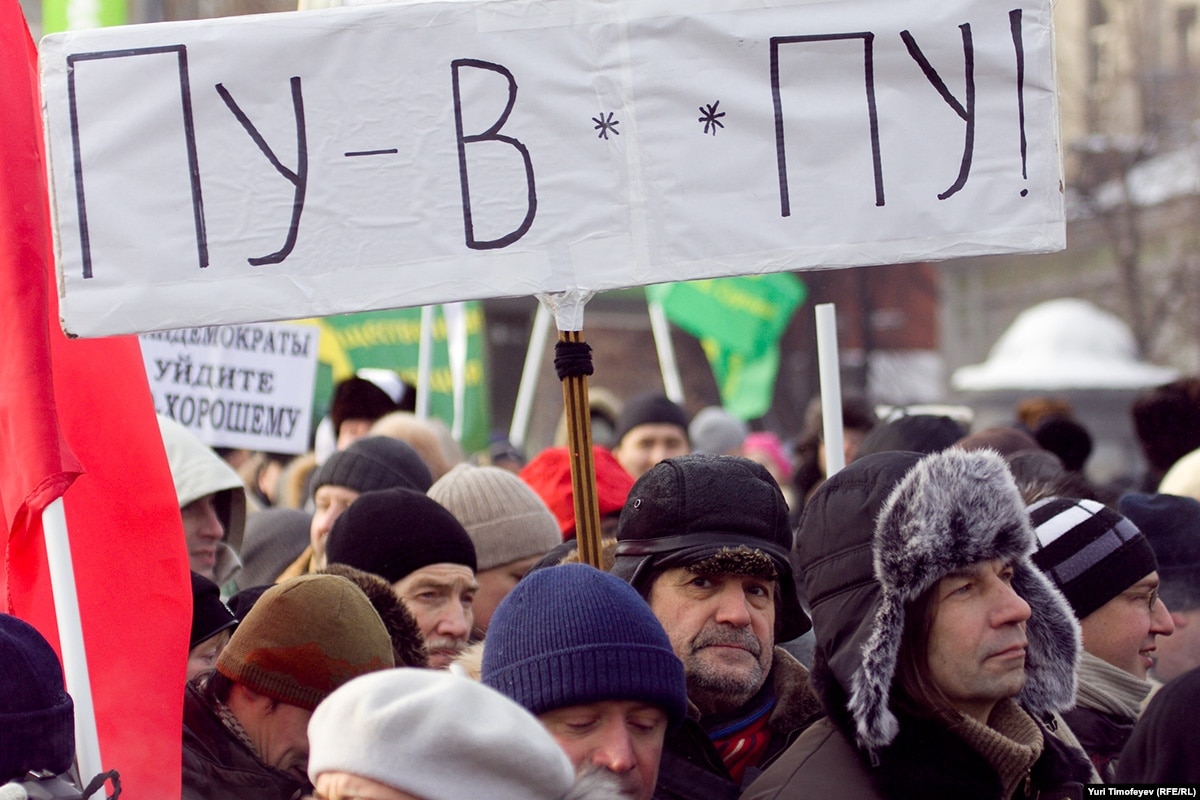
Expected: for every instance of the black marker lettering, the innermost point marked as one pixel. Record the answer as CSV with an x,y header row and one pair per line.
x,y
868,39
491,134
967,114
189,136
298,179
1014,22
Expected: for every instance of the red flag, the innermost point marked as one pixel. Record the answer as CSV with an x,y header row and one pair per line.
x,y
126,536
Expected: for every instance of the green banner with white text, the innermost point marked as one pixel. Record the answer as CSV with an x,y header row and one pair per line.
x,y
391,340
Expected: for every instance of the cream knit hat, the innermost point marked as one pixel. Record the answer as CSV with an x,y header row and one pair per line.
x,y
505,518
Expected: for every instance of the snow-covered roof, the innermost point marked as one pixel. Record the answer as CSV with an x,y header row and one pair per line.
x,y
1062,344
1155,180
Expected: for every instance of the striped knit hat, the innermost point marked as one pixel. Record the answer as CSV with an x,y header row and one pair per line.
x,y
1091,552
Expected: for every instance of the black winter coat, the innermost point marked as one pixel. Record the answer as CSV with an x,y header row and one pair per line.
x,y
217,765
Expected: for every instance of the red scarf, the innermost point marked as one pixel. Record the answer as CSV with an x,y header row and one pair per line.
x,y
744,747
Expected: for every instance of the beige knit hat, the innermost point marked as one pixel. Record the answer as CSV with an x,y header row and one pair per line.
x,y
304,638
505,518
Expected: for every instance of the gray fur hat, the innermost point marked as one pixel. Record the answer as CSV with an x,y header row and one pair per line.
x,y
931,516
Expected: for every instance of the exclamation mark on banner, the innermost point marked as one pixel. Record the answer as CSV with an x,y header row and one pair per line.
x,y
1014,21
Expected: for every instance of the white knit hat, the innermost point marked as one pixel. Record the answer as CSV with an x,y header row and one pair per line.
x,y
437,736
505,519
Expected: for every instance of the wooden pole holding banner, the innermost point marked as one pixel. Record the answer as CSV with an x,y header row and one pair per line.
x,y
831,388
573,363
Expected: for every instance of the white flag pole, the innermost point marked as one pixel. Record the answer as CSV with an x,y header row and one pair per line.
x,y
831,387
455,317
666,352
424,361
519,428
70,638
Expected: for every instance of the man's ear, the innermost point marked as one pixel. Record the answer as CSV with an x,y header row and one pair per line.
x,y
1180,619
250,696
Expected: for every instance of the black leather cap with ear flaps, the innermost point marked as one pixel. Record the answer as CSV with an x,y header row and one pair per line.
x,y
686,509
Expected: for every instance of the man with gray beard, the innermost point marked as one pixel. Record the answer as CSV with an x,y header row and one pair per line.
x,y
705,539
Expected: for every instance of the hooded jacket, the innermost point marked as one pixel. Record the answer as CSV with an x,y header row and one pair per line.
x,y
197,471
873,539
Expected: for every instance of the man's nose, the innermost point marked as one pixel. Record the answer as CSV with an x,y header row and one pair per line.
x,y
614,752
1011,607
1161,623
211,528
733,608
454,621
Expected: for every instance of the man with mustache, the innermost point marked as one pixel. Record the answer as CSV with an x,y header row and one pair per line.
x,y
941,650
705,540
418,547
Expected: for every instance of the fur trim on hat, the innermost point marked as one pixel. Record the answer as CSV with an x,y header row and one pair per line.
x,y
952,510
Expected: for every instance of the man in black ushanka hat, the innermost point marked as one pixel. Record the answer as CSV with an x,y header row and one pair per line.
x,y
705,539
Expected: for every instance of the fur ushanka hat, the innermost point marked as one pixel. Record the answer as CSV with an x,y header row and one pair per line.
x,y
884,530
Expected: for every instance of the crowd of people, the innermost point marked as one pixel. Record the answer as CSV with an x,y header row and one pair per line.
x,y
954,614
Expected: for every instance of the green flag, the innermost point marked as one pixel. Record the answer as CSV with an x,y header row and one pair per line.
x,y
76,15
391,340
738,322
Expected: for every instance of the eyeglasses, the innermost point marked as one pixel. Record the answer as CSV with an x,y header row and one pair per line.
x,y
1149,596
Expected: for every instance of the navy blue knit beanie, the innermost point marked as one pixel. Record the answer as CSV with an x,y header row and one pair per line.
x,y
571,635
1172,526
37,716
395,532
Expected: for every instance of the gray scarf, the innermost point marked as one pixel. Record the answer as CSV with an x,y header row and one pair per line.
x,y
1103,687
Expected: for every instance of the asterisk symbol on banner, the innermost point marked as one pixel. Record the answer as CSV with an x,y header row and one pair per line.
x,y
606,124
711,117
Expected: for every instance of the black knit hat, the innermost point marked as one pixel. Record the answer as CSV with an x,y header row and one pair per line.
x,y
37,716
649,409
571,635
394,532
1091,552
689,508
1172,526
209,615
359,398
917,433
373,463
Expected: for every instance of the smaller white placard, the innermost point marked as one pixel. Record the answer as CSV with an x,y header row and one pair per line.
x,y
246,386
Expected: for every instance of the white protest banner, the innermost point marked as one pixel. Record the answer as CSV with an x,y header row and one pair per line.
x,y
383,156
248,386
